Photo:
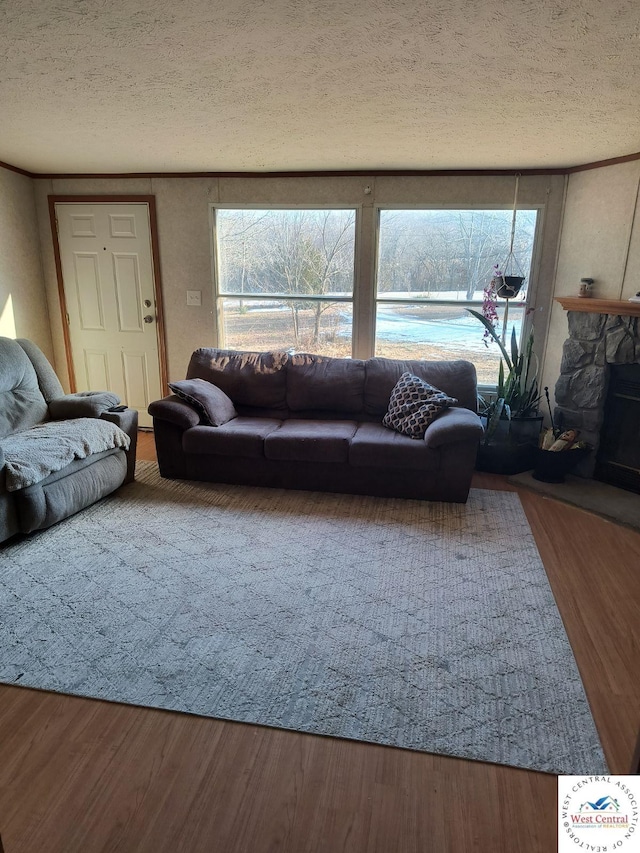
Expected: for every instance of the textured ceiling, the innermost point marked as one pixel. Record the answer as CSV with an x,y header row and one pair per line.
x,y
271,85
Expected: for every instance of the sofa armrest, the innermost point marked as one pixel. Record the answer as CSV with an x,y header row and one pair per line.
x,y
84,404
128,422
454,424
174,410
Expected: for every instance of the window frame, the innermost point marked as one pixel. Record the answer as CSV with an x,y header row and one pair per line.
x,y
219,296
364,298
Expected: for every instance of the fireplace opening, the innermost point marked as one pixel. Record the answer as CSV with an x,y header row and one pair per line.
x,y
618,460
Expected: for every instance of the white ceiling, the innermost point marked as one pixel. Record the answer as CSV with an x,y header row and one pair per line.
x,y
273,85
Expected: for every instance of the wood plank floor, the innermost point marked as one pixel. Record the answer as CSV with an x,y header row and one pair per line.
x,y
83,776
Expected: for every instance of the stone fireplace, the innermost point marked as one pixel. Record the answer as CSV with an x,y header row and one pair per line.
x,y
602,333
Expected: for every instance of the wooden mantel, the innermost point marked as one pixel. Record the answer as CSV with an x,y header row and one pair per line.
x,y
599,306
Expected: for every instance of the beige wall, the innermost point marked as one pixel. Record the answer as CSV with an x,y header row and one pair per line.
x,y
601,240
23,304
185,244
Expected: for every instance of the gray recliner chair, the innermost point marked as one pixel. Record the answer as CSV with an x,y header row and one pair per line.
x,y
31,399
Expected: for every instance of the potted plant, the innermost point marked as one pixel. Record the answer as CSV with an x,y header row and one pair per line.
x,y
506,286
511,420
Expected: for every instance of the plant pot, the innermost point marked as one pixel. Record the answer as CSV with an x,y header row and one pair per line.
x,y
512,447
551,466
508,286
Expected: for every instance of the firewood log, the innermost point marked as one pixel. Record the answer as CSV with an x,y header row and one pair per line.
x,y
564,441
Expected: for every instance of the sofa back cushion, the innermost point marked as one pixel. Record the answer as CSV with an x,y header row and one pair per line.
x,y
276,384
256,379
319,383
455,378
21,402
47,379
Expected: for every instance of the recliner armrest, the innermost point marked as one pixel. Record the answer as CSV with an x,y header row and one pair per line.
x,y
174,410
84,404
454,424
128,422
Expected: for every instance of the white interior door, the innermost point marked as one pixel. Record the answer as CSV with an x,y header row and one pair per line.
x,y
107,270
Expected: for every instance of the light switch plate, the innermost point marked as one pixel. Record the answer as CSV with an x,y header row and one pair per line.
x,y
194,297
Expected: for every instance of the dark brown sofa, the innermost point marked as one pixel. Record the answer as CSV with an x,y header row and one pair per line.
x,y
313,422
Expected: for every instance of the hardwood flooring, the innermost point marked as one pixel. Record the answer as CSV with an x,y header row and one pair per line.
x,y
83,776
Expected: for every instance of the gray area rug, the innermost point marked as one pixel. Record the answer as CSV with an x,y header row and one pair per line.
x,y
423,625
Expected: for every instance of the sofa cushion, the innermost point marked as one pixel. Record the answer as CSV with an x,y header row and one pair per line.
x,y
249,378
22,405
455,378
210,402
240,437
48,382
414,404
310,441
320,383
31,455
375,446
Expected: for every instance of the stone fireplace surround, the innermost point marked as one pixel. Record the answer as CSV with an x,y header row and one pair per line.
x,y
596,340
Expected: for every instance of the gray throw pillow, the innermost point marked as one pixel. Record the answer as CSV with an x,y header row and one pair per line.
x,y
212,404
413,405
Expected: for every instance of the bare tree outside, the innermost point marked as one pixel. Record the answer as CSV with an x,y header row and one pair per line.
x,y
448,251
304,253
286,279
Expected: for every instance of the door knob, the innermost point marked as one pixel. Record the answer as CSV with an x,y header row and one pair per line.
x,y
148,318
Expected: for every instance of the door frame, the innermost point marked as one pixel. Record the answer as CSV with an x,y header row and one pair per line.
x,y
150,201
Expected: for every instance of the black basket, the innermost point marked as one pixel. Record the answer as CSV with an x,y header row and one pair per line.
x,y
551,465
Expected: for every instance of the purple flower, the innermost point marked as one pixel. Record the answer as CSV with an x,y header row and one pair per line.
x,y
489,307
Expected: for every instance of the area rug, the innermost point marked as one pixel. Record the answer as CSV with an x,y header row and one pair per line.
x,y
428,626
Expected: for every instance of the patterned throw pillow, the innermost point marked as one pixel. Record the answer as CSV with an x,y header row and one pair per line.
x,y
210,402
413,405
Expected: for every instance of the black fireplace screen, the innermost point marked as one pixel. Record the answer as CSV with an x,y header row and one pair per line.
x,y
618,460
